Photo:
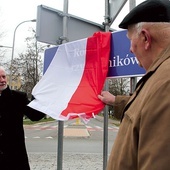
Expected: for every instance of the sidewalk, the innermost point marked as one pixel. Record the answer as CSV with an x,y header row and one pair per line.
x,y
79,130
48,161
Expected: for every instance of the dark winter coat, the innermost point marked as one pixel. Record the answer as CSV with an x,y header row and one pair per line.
x,y
13,106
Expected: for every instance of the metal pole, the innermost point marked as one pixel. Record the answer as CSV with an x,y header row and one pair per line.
x,y
61,123
36,62
132,4
133,80
3,46
60,145
106,109
13,45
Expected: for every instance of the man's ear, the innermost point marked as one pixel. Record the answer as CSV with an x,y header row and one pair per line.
x,y
146,38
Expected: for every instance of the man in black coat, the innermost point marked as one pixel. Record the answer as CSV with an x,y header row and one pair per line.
x,y
13,106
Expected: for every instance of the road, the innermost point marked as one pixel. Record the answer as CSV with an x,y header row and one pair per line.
x,y
81,143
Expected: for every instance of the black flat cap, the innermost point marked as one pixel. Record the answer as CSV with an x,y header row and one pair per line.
x,y
148,11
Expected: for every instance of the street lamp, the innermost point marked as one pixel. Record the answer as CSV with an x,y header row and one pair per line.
x,y
4,46
13,45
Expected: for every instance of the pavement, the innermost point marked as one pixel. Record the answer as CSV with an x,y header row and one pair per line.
x,y
78,129
71,161
48,161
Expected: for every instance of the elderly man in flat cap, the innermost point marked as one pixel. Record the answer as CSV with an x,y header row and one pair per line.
x,y
143,140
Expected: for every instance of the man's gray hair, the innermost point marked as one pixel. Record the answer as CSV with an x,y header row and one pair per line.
x,y
157,26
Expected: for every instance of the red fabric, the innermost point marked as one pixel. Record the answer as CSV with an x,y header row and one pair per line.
x,y
85,99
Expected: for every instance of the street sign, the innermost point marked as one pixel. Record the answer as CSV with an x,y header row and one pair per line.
x,y
49,28
122,63
115,7
48,56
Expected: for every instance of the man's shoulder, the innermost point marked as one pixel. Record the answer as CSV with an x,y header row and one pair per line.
x,y
18,93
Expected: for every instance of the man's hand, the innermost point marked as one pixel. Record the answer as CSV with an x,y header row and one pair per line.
x,y
107,98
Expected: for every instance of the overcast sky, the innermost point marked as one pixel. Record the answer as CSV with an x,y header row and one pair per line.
x,y
14,12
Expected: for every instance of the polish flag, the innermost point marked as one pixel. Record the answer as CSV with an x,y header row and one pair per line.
x,y
74,78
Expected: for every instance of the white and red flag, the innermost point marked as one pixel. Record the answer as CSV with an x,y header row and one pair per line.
x,y
74,78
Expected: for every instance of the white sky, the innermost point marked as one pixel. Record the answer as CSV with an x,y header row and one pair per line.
x,y
14,12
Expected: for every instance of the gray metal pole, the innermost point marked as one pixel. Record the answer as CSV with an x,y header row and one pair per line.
x,y
106,109
61,123
65,22
60,145
133,80
132,4
105,132
3,46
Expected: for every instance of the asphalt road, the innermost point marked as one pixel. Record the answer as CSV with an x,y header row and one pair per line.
x,y
82,145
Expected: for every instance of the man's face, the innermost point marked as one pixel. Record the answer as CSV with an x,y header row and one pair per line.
x,y
3,80
136,46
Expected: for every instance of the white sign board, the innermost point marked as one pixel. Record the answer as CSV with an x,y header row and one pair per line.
x,y
115,7
49,28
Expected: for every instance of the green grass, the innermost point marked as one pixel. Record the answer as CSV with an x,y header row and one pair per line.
x,y
29,122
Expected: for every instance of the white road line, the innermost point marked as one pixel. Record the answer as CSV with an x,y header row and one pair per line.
x,y
49,137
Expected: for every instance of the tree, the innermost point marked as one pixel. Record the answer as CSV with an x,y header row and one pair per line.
x,y
119,86
3,49
2,54
29,65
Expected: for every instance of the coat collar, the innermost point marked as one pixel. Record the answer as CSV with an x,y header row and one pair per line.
x,y
6,92
165,54
162,57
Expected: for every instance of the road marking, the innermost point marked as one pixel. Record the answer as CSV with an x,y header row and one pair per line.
x,y
36,137
49,137
68,130
90,128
